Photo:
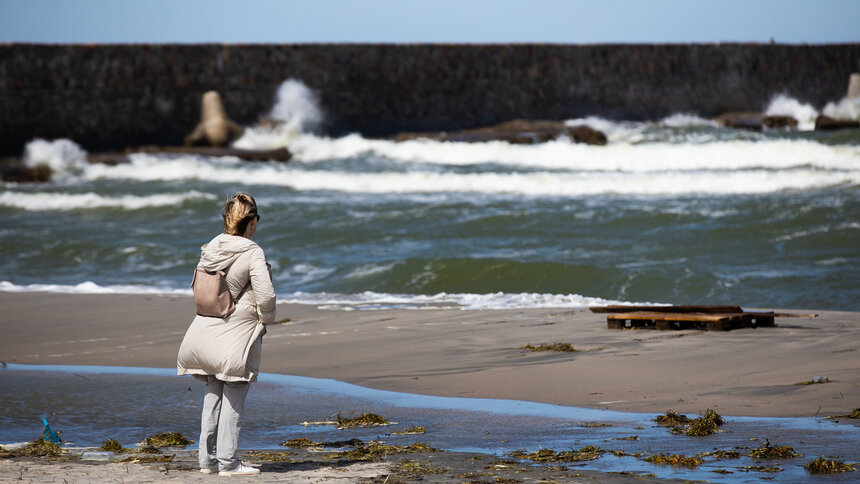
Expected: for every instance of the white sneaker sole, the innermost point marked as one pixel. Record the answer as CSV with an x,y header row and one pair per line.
x,y
249,472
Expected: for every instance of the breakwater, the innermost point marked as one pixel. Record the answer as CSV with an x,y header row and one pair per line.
x,y
111,96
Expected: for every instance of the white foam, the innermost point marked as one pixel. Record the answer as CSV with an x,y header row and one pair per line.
x,y
364,300
89,287
63,156
730,179
368,270
784,105
267,138
684,120
565,155
47,201
460,300
847,108
303,273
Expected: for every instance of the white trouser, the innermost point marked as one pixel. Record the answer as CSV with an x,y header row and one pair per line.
x,y
221,423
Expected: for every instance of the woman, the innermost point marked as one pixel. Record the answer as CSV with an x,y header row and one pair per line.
x,y
225,352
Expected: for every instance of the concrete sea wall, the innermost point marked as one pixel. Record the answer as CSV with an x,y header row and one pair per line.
x,y
112,96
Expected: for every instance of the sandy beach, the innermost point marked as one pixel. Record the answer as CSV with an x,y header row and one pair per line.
x,y
451,352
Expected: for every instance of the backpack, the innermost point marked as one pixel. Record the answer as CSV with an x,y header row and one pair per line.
x,y
211,294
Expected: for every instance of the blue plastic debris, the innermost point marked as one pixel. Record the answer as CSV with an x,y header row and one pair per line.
x,y
49,435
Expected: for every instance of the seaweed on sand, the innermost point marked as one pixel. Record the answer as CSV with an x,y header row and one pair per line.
x,y
111,445
548,455
681,424
148,459
375,450
705,425
167,439
303,442
767,451
556,346
36,448
724,454
815,381
414,468
672,419
308,443
852,414
591,425
273,456
674,460
411,430
366,419
828,466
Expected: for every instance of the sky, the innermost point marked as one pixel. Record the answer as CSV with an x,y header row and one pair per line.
x,y
436,21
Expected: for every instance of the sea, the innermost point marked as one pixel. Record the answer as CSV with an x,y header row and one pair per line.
x,y
679,210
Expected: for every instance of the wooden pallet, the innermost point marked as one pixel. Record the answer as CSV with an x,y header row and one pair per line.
x,y
666,309
693,320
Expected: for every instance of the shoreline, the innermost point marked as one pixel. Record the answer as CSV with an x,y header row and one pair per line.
x,y
312,466
476,353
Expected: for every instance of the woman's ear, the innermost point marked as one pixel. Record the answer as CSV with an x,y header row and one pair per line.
x,y
251,228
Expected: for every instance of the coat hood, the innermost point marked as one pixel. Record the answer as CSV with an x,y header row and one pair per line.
x,y
222,251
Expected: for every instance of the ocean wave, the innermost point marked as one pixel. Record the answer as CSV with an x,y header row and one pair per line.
x,y
365,300
89,287
569,156
499,300
534,184
47,201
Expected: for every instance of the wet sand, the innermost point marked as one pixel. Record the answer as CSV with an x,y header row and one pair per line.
x,y
451,352
302,466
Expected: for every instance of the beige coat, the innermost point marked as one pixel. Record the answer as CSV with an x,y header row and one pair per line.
x,y
230,349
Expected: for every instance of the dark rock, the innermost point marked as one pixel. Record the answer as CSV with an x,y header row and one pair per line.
x,y
518,131
741,120
587,135
826,123
280,154
779,122
26,174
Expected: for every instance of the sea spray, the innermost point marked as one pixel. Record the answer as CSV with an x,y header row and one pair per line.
x,y
848,108
296,111
62,156
784,105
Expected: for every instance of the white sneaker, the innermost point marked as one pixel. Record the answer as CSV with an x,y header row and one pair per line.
x,y
207,470
242,470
